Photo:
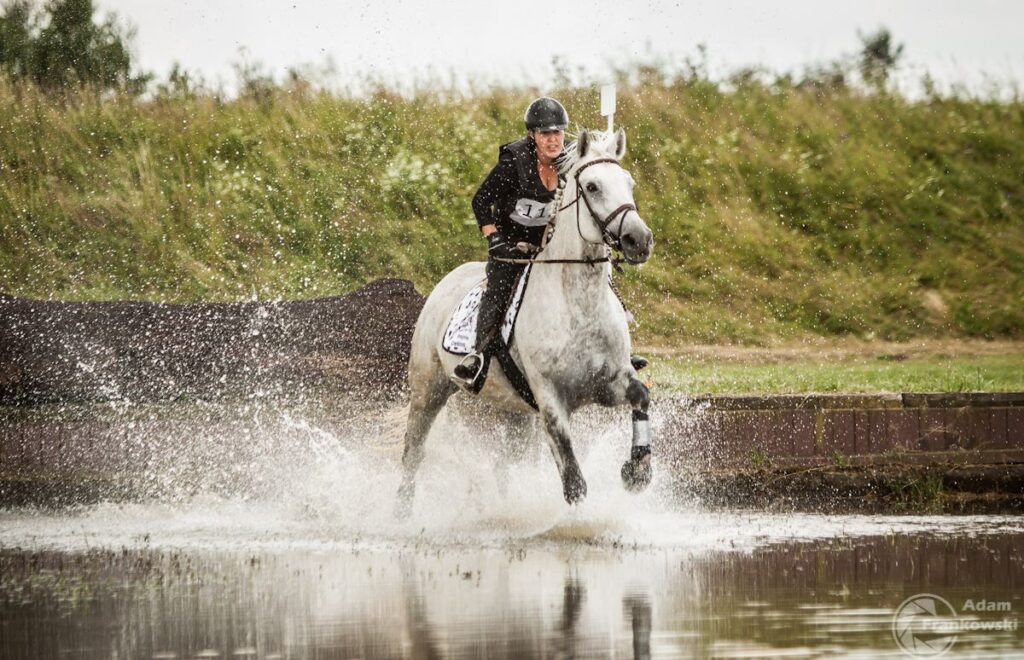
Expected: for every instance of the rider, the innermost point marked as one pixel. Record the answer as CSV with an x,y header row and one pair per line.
x,y
512,207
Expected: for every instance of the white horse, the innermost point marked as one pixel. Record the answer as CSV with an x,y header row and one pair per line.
x,y
572,340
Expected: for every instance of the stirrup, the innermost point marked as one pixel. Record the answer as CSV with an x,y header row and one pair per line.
x,y
463,379
637,362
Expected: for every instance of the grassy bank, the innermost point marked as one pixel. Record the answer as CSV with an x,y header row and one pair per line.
x,y
872,374
779,212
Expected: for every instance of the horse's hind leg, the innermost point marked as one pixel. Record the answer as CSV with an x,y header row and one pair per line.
x,y
517,439
428,397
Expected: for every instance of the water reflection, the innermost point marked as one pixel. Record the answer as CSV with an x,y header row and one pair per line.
x,y
829,597
637,609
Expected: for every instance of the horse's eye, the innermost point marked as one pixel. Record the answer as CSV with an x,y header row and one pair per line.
x,y
592,187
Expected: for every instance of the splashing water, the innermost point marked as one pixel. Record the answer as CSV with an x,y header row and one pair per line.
x,y
275,478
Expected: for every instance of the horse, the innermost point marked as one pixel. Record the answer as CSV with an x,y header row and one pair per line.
x,y
572,340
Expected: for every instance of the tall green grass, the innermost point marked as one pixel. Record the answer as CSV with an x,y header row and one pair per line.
x,y
778,211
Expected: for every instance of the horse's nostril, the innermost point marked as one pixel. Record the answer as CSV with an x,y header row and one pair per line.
x,y
628,240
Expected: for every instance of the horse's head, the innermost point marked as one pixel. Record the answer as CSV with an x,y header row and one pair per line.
x,y
605,190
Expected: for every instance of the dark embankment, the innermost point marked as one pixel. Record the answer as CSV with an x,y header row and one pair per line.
x,y
54,352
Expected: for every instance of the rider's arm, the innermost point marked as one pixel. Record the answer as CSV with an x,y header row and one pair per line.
x,y
497,186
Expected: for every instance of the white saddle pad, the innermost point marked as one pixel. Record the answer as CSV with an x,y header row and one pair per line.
x,y
460,336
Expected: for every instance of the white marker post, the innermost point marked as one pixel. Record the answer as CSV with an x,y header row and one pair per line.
x,y
608,104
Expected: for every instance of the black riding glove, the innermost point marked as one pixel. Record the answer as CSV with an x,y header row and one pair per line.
x,y
500,247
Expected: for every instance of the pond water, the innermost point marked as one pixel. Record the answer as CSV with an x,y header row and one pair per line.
x,y
222,578
274,538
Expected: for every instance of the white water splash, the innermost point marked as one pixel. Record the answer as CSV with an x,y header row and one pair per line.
x,y
296,484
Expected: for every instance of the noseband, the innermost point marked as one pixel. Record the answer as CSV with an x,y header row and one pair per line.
x,y
614,241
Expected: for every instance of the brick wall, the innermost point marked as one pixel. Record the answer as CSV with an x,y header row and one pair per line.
x,y
736,430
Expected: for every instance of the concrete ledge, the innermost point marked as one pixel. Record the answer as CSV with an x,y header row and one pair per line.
x,y
860,401
964,400
801,401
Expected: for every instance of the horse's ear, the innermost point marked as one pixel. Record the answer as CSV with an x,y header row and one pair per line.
x,y
620,143
582,143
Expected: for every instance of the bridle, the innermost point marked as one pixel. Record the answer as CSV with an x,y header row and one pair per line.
x,y
614,241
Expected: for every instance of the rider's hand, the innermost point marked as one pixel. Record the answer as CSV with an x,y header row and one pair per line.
x,y
500,247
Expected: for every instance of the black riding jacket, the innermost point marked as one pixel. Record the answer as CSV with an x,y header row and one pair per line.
x,y
512,197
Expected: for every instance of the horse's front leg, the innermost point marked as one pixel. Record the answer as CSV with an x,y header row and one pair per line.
x,y
556,423
636,472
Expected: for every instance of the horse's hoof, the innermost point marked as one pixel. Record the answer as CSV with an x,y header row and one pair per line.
x,y
636,475
574,487
576,492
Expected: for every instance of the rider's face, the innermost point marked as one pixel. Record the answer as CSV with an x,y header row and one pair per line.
x,y
549,144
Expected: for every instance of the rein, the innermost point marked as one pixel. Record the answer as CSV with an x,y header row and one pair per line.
x,y
614,261
612,241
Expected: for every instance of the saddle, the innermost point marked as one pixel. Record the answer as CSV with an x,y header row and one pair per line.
x,y
460,336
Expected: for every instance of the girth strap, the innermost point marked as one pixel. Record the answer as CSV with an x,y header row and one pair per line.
x,y
515,376
512,371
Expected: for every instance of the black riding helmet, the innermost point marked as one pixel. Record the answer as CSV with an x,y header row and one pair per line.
x,y
546,114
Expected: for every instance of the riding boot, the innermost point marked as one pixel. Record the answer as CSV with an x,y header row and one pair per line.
x,y
501,281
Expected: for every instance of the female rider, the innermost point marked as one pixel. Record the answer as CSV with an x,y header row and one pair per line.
x,y
513,206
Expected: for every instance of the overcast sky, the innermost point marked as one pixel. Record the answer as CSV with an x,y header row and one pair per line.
x,y
515,41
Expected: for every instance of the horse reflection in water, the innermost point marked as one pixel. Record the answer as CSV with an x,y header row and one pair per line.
x,y
636,606
572,340
566,641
